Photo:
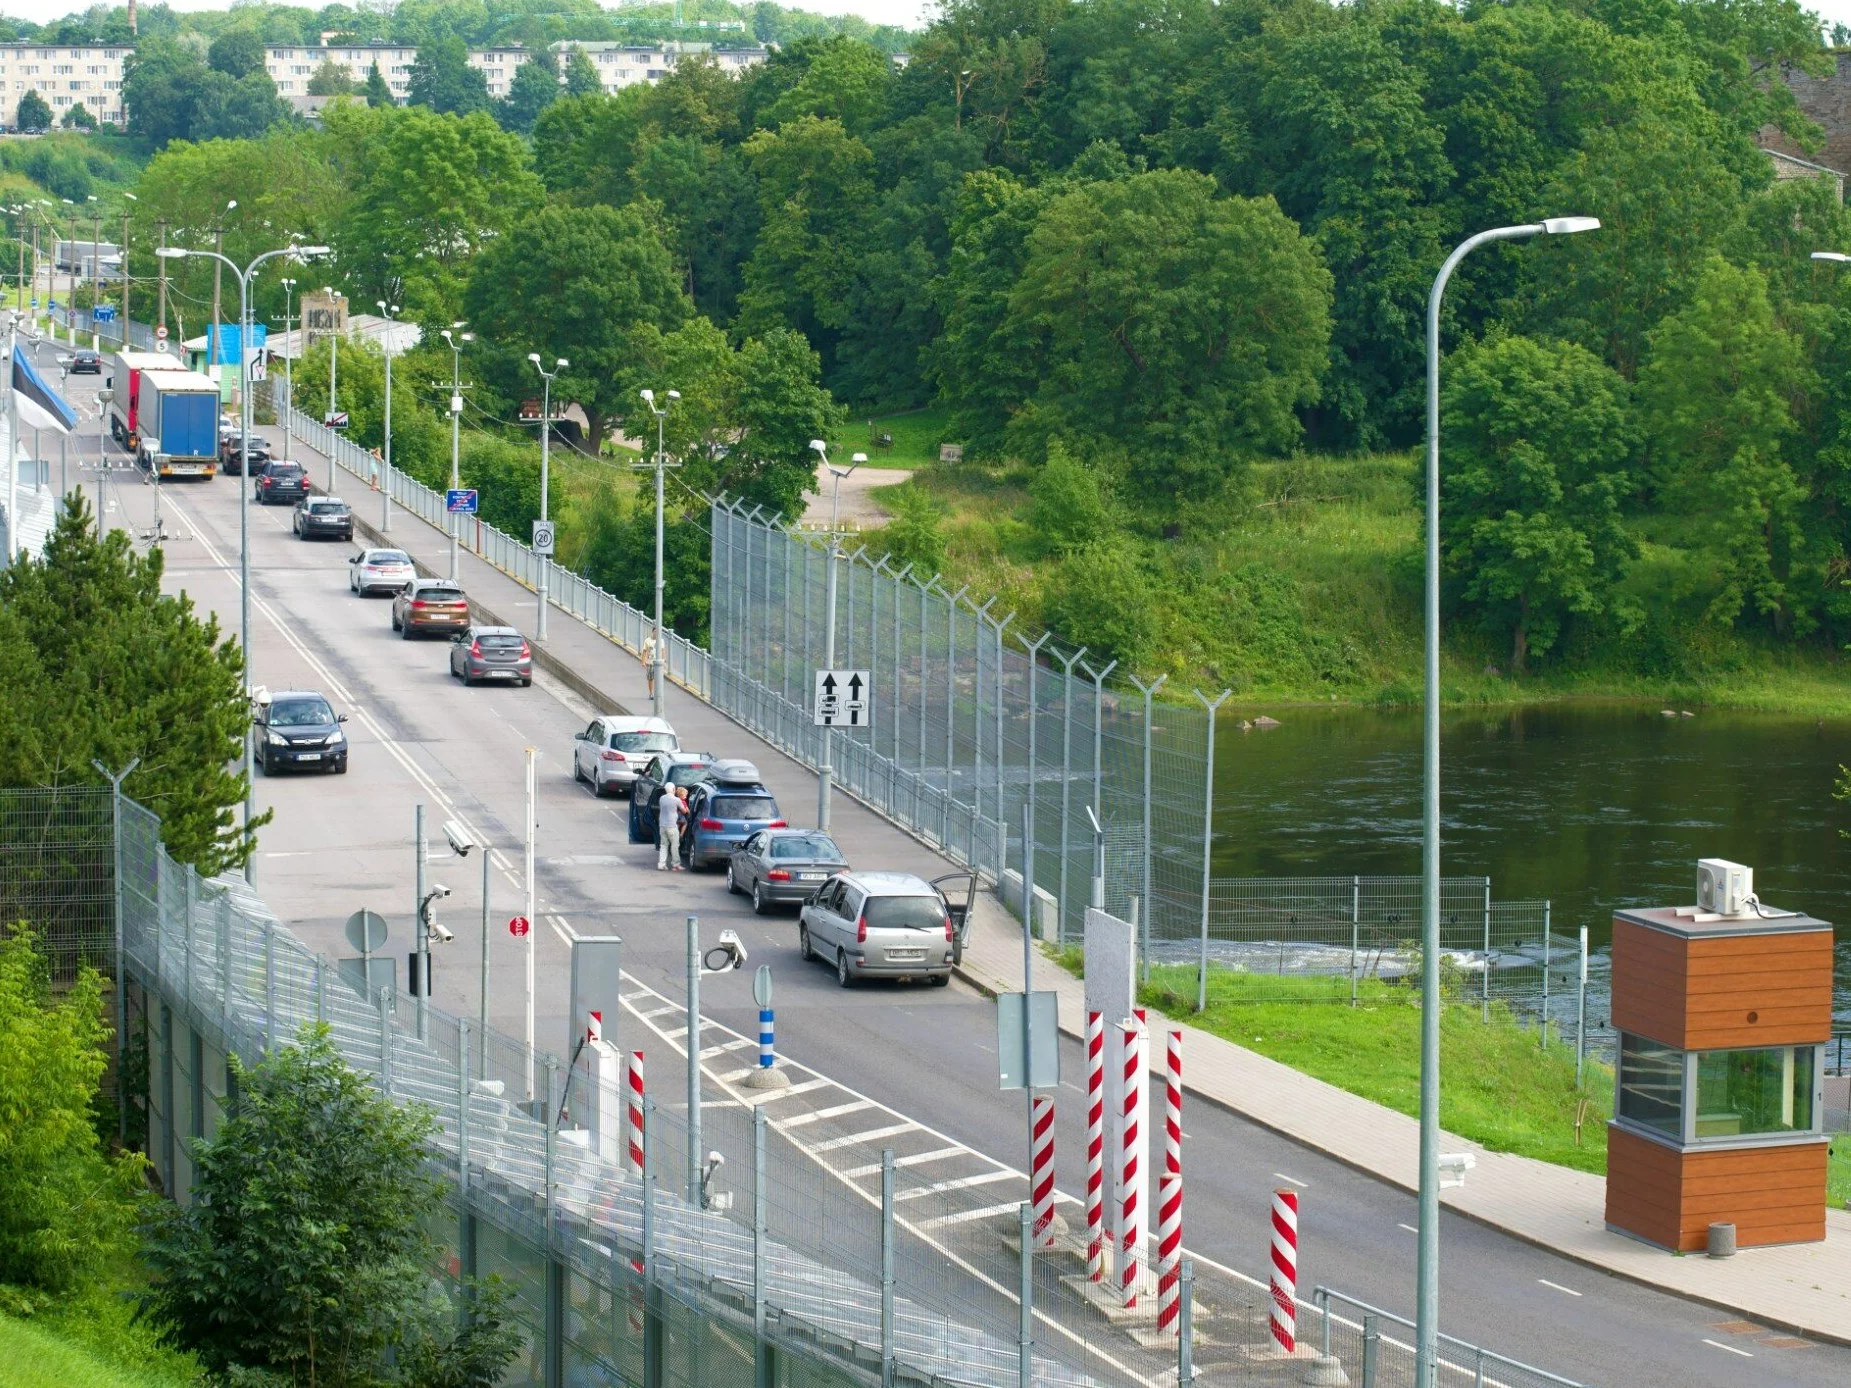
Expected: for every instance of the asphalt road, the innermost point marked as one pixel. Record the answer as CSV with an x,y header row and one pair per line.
x,y
341,843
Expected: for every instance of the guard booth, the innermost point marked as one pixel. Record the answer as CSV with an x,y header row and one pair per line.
x,y
1723,1010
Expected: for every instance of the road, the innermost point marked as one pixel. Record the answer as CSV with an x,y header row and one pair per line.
x,y
340,843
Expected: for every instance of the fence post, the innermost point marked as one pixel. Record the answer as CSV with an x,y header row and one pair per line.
x,y
1356,930
951,699
122,990
766,1375
269,986
186,937
652,1306
1545,975
1099,758
1185,1325
1485,1004
385,1040
321,990
1066,788
1002,814
1208,841
1581,1012
1149,902
887,1267
555,1308
462,1110
1031,832
1025,1330
1372,1339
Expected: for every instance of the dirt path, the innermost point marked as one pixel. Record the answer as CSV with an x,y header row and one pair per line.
x,y
859,509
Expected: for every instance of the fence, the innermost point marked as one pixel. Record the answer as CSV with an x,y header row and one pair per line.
x,y
1376,1347
56,874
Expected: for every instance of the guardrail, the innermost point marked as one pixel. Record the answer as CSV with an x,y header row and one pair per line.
x,y
1376,1357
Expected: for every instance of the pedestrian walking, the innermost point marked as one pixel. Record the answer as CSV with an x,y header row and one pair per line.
x,y
651,648
669,813
377,460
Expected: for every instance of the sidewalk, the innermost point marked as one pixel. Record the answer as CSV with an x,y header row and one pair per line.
x,y
1804,1288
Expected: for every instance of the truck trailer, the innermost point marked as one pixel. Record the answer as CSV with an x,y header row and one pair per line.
x,y
122,374
177,419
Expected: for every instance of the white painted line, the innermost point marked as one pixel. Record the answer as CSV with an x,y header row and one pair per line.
x,y
655,1012
801,1087
1558,1287
1718,1344
855,1173
958,1183
854,1138
818,1115
1409,1227
969,1216
1289,1180
737,1044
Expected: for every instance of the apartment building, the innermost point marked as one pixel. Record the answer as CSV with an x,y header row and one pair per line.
x,y
498,65
293,68
64,77
623,65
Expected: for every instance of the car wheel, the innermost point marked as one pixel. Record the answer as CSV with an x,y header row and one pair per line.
x,y
262,761
527,683
597,785
760,906
844,979
578,772
804,952
404,631
340,767
732,884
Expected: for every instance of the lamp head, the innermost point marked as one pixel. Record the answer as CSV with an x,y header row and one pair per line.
x,y
822,449
131,197
230,205
469,337
1837,256
533,357
857,459
649,396
674,395
1568,226
169,252
562,363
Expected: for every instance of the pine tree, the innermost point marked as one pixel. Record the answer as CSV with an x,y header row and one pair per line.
x,y
376,90
582,74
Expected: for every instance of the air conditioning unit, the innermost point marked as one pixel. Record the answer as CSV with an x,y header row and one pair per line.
x,y
1724,887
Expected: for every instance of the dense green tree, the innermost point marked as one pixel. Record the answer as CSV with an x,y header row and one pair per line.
x,y
33,114
534,87
1069,511
1539,451
331,79
169,94
844,80
602,276
420,434
582,74
376,90
443,80
1102,599
304,1251
619,556
65,1207
106,668
237,53
78,118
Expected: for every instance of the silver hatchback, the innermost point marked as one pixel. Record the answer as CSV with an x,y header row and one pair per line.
x,y
878,925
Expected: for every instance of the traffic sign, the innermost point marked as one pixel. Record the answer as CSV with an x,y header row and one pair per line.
x,y
843,699
160,333
543,533
460,501
366,931
337,420
104,313
518,927
761,986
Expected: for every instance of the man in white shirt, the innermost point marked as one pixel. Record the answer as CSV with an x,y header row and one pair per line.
x,y
670,810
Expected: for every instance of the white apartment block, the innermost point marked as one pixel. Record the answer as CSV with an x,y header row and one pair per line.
x,y
293,68
65,77
623,65
498,65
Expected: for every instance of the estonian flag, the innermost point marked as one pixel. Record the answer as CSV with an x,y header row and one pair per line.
x,y
37,404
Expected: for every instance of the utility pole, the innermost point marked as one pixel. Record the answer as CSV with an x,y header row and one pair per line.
x,y
160,320
546,439
289,374
825,774
385,482
456,339
214,333
334,368
125,278
96,269
655,661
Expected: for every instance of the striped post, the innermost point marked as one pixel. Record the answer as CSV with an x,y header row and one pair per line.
x,y
764,1038
1095,1146
1130,1214
1170,1188
1041,1176
636,1112
1285,1270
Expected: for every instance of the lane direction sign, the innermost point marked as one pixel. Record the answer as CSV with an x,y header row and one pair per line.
x,y
844,699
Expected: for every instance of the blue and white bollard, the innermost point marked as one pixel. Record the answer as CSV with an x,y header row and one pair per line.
x,y
767,1075
764,1038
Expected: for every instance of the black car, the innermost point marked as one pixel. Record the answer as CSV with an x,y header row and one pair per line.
x,y
299,728
323,518
664,769
86,364
231,455
280,482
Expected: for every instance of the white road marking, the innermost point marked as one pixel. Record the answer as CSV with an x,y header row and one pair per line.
x,y
1289,1180
970,1216
1718,1344
818,1115
1409,1227
1558,1287
916,1159
957,1183
859,1139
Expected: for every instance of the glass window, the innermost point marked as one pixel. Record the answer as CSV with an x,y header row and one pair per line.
x,y
643,742
1651,1086
811,847
906,913
752,808
1743,1093
300,713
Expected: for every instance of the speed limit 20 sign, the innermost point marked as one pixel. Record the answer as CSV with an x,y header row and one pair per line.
x,y
543,537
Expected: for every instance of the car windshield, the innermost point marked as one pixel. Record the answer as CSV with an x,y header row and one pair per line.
x,y
643,742
387,556
287,472
300,713
753,808
905,913
811,847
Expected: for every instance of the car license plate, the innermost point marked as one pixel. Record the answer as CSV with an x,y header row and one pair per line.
x,y
308,756
906,956
809,877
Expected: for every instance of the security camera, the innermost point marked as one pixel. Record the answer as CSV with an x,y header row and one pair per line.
x,y
726,956
710,1198
439,934
439,891
460,842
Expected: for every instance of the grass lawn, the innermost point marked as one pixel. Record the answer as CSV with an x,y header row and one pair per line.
x,y
916,437
1838,1173
1500,1088
37,1356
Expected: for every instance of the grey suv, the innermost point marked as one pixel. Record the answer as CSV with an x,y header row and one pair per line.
x,y
878,925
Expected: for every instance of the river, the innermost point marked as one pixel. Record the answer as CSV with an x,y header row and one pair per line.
x,y
1594,806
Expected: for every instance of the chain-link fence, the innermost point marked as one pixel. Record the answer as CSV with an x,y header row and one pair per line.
x,y
56,874
971,722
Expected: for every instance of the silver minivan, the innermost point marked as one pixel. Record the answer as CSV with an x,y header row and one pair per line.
x,y
878,925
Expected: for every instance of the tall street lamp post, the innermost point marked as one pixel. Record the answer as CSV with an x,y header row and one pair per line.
x,y
544,562
825,773
456,338
385,479
1427,1276
289,368
655,661
334,368
244,492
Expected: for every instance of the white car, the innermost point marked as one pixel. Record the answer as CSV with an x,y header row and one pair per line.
x,y
614,749
380,571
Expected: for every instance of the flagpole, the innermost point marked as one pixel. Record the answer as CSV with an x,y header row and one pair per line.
x,y
12,442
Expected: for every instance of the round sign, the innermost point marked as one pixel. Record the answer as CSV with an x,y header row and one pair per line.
x,y
518,926
761,986
160,333
366,931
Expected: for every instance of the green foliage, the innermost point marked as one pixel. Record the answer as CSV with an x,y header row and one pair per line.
x,y
33,114
916,534
619,556
443,80
37,1356
1100,598
65,1207
420,436
168,94
331,79
1070,511
534,87
102,666
1538,447
376,90
581,74
78,118
304,1251
507,474
237,53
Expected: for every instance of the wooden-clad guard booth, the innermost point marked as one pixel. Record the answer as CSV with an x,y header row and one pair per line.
x,y
1718,1092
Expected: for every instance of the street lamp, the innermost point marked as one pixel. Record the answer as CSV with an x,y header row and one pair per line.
x,y
1838,256
385,482
655,660
546,438
825,773
1427,1275
289,369
334,367
456,339
301,253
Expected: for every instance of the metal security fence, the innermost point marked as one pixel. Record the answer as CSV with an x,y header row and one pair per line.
x,y
973,722
56,874
1376,1348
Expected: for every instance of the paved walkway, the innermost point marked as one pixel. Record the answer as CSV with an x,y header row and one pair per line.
x,y
1803,1287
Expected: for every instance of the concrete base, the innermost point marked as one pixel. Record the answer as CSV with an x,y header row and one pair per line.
x,y
1104,1298
766,1078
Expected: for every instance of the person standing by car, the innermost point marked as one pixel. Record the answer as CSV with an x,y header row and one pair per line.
x,y
670,810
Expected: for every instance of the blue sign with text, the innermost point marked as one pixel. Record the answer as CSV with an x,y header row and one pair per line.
x,y
460,501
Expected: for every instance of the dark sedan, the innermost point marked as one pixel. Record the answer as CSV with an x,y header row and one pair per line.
x,y
783,867
666,769
280,482
491,653
231,456
323,518
86,363
298,728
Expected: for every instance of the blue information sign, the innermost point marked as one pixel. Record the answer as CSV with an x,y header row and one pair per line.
x,y
104,313
460,501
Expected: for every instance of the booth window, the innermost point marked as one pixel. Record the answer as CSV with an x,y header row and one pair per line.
x,y
1751,1092
1651,1086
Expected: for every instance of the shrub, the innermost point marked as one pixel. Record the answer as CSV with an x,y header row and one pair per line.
x,y
1100,598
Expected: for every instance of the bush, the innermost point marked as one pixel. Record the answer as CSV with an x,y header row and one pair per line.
x,y
916,534
1070,509
1100,598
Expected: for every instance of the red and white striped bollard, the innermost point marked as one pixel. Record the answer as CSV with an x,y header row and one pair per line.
x,y
1130,1215
636,1111
1285,1270
1170,1190
1095,1146
1041,1174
